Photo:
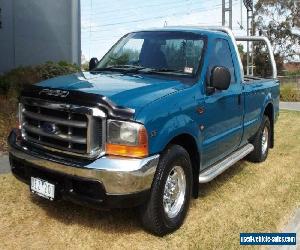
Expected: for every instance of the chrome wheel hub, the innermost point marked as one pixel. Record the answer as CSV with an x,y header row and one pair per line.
x,y
174,192
264,140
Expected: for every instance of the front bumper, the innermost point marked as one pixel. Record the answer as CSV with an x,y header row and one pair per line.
x,y
118,177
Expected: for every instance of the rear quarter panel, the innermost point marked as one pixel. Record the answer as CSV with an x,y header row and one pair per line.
x,y
257,95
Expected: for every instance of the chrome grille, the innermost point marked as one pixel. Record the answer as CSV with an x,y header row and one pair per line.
x,y
67,128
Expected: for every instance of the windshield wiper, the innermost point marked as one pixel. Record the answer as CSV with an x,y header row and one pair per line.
x,y
163,71
121,68
139,69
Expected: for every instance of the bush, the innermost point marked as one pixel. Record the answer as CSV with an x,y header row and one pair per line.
x,y
292,73
13,81
289,93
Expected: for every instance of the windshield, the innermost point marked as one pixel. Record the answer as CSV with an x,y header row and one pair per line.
x,y
169,52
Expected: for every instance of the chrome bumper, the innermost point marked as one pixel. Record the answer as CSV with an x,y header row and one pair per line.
x,y
119,176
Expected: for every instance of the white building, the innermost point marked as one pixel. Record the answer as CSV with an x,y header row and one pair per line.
x,y
36,31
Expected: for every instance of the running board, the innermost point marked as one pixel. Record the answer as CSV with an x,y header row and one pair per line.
x,y
220,167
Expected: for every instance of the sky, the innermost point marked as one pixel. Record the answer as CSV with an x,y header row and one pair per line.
x,y
103,22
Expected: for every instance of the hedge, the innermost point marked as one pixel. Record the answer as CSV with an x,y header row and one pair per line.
x,y
13,81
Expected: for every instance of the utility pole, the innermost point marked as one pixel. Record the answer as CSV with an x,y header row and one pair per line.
x,y
90,28
241,25
76,32
226,9
250,32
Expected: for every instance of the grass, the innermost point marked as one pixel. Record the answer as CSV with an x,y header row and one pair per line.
x,y
292,73
246,198
289,93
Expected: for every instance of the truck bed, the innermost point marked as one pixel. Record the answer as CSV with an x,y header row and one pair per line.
x,y
251,79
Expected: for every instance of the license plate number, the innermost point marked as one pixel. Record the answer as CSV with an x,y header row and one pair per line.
x,y
42,188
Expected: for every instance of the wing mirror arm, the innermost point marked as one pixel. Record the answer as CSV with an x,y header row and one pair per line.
x,y
210,90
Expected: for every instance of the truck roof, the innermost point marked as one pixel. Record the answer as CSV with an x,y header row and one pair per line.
x,y
194,29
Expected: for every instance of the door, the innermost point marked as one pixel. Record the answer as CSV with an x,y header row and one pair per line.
x,y
223,121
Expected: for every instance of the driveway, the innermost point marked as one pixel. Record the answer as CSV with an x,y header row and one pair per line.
x,y
292,227
4,164
290,106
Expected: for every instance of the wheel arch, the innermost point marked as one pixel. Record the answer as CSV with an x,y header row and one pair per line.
x,y
269,112
189,143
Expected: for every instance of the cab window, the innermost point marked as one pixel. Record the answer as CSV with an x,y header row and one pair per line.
x,y
221,56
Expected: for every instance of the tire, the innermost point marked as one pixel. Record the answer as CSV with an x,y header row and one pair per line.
x,y
154,215
261,142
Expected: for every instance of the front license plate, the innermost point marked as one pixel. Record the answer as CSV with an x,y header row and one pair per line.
x,y
42,188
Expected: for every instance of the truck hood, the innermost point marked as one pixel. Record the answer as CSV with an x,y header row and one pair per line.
x,y
131,91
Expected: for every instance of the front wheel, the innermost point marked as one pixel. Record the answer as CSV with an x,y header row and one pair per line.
x,y
168,204
261,142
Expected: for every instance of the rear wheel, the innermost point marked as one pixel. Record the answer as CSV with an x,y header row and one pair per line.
x,y
168,204
261,142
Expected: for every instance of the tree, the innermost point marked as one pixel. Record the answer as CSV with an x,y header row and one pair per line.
x,y
278,20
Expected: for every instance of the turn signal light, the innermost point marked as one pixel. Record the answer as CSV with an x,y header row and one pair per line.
x,y
137,151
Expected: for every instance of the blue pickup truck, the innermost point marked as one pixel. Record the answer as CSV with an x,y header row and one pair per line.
x,y
162,111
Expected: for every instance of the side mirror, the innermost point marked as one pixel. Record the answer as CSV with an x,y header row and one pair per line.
x,y
220,78
93,63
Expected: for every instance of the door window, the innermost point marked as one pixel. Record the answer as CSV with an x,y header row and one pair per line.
x,y
221,56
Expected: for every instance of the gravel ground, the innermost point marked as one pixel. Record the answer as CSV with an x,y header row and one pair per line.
x,y
4,164
290,106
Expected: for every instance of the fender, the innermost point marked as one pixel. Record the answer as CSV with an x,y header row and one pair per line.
x,y
268,100
271,98
171,116
178,125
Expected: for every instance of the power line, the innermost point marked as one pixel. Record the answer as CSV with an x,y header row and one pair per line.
x,y
149,18
95,32
128,14
140,7
86,32
197,10
113,38
100,36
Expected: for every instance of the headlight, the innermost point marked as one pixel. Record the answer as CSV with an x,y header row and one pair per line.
x,y
126,139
